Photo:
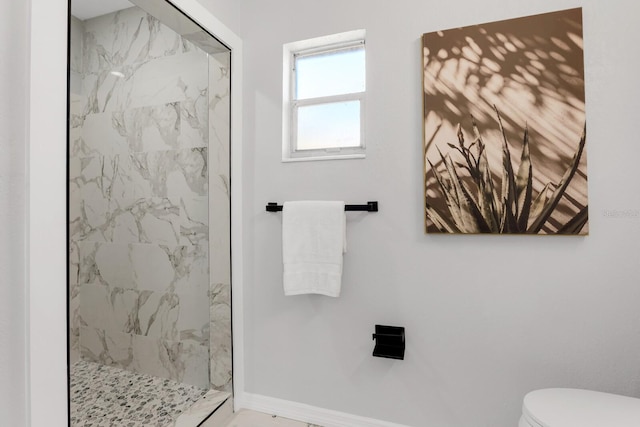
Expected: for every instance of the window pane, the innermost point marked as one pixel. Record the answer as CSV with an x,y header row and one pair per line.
x,y
333,125
330,73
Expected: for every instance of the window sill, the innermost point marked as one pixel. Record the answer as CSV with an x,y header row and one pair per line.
x,y
312,158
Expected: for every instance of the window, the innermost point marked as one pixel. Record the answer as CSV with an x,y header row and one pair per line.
x,y
324,83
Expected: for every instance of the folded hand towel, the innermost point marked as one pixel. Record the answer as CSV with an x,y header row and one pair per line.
x,y
313,241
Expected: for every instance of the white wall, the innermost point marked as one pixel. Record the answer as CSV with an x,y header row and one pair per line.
x,y
13,91
487,318
476,341
227,11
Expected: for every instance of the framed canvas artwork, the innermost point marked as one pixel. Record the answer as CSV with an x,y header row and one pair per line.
x,y
505,127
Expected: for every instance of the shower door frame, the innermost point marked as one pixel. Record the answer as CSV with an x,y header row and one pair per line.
x,y
46,240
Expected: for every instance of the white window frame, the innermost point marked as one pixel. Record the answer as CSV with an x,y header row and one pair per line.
x,y
290,105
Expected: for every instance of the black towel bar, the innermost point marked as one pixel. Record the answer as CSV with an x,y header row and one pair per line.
x,y
369,207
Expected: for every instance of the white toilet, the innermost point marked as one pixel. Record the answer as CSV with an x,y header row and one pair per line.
x,y
566,407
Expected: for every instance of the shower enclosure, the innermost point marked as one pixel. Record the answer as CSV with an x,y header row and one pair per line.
x,y
149,217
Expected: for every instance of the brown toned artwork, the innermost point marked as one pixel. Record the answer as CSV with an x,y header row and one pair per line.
x,y
505,127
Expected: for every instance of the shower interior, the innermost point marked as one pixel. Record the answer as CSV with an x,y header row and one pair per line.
x,y
149,219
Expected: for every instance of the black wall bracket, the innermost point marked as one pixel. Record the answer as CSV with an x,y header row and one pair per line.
x,y
389,342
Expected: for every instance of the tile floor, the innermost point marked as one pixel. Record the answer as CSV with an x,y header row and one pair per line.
x,y
245,418
106,396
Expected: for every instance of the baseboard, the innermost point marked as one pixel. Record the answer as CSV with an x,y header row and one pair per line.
x,y
305,413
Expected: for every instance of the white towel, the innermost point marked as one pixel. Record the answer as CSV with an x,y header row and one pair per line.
x,y
313,241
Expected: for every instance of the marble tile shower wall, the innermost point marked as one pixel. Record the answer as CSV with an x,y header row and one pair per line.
x,y
219,218
139,200
76,104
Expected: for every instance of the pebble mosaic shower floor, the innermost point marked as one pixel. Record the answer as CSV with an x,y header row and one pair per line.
x,y
103,396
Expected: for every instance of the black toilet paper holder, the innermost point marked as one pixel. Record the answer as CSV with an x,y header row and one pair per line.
x,y
389,342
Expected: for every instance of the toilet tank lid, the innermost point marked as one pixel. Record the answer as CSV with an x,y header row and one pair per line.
x,y
565,407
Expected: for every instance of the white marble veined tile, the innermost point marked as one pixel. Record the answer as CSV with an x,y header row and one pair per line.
x,y
74,323
118,177
219,168
154,82
104,133
219,114
176,78
106,347
158,314
91,84
153,220
219,93
219,263
158,230
104,176
126,37
75,169
219,220
75,83
221,367
152,267
194,220
191,264
193,318
77,147
194,130
75,57
220,238
141,175
152,128
195,359
115,265
173,174
111,309
159,268
124,226
220,336
220,183
74,345
95,309
95,214
74,301
87,269
91,182
75,211
76,124
160,226
110,39
193,165
219,69
145,220
96,211
195,209
171,359
76,104
74,266
76,35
